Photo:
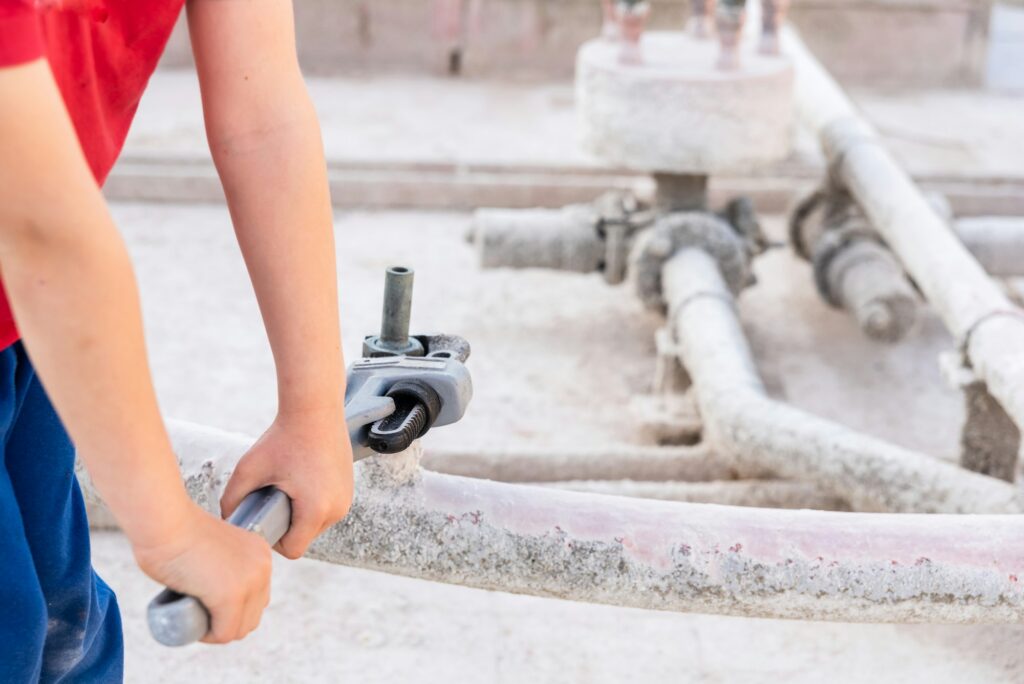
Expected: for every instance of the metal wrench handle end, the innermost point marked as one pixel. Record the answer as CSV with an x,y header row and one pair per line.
x,y
176,619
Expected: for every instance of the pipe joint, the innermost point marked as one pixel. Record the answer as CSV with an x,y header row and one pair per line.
x,y
732,239
853,268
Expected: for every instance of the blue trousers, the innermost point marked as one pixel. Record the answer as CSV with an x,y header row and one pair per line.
x,y
59,621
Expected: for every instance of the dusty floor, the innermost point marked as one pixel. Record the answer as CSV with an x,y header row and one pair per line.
x,y
556,359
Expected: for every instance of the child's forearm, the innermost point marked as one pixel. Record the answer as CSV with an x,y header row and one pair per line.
x,y
73,294
287,238
276,186
265,141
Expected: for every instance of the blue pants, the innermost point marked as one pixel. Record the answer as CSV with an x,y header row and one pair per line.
x,y
59,622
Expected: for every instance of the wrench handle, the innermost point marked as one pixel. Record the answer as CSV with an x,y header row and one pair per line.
x,y
176,619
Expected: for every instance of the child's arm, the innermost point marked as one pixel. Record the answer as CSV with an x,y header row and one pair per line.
x,y
265,140
74,298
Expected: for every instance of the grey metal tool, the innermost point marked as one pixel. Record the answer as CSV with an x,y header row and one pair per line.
x,y
389,402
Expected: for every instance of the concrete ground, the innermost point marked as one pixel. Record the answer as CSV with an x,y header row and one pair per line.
x,y
556,359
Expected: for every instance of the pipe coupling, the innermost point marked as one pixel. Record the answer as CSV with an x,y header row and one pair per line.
x,y
732,238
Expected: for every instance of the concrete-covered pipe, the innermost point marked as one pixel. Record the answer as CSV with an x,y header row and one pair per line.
x,y
869,283
755,493
563,239
746,426
548,464
812,565
997,242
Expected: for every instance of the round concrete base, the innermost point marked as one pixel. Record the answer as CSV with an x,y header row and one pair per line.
x,y
676,113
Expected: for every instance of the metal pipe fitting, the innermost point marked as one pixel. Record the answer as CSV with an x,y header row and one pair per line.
x,y
868,282
394,322
394,337
680,191
853,270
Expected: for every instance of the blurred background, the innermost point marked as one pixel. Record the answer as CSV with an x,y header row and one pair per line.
x,y
431,109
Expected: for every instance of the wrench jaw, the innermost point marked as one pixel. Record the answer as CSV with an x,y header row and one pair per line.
x,y
430,389
444,391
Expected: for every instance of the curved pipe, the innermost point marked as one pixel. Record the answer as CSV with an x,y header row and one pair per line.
x,y
850,567
744,424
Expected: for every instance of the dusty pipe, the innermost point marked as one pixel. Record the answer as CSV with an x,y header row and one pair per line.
x,y
848,567
870,285
973,307
539,464
755,493
852,270
997,243
741,422
563,239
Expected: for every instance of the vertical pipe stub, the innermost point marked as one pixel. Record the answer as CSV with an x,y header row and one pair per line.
x,y
394,322
394,337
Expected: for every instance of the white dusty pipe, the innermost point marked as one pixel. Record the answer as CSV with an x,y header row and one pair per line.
x,y
997,242
741,422
546,464
973,307
755,493
813,565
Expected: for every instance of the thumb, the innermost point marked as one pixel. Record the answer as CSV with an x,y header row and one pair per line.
x,y
244,481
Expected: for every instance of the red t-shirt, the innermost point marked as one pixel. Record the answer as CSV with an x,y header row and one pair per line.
x,y
102,53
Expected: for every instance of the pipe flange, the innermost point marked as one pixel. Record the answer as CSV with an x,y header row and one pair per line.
x,y
375,346
799,218
619,217
677,231
823,225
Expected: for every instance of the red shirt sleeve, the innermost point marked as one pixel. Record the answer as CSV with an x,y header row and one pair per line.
x,y
21,37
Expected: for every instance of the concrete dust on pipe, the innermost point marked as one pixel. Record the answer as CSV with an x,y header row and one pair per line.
x,y
745,425
811,565
988,326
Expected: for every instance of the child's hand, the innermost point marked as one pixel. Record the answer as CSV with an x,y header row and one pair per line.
x,y
309,457
225,567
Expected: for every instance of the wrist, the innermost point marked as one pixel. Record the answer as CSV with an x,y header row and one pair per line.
x,y
149,500
163,521
326,409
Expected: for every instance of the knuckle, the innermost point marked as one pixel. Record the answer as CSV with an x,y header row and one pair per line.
x,y
236,597
218,635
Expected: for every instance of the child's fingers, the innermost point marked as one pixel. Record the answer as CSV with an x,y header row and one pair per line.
x,y
243,482
306,524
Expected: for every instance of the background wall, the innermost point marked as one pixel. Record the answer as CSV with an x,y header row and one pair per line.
x,y
878,42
